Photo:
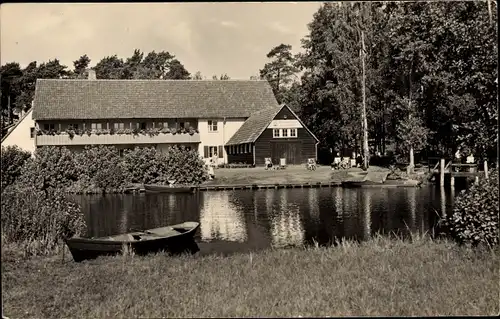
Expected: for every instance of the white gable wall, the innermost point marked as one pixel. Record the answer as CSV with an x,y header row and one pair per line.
x,y
225,130
20,134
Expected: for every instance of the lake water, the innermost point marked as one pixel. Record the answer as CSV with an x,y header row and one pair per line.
x,y
244,220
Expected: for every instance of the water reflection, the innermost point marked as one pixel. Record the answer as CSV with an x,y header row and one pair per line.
x,y
221,219
367,221
286,225
263,218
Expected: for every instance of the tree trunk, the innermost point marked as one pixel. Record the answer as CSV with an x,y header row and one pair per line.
x,y
365,121
9,110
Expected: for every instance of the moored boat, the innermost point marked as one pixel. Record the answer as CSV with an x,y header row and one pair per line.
x,y
362,183
175,239
152,188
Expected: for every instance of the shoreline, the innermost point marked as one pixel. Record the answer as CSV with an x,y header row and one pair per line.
x,y
374,278
256,178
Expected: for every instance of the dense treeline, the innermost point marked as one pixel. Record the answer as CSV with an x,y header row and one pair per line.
x,y
18,84
431,76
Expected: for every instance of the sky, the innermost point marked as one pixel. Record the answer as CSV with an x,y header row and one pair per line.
x,y
213,38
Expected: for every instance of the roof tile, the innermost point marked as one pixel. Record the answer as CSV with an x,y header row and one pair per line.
x,y
254,126
107,99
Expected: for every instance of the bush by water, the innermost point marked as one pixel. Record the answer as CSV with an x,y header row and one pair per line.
x,y
148,166
475,214
100,169
12,159
37,221
36,215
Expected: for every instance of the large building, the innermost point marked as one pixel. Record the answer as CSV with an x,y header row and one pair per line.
x,y
237,121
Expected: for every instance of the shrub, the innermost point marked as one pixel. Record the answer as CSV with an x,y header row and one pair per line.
x,y
51,167
475,214
184,166
148,166
100,168
12,160
142,165
38,221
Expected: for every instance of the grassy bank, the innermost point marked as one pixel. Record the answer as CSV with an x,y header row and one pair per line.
x,y
295,174
381,277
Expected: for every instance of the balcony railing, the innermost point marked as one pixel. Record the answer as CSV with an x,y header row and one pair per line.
x,y
110,139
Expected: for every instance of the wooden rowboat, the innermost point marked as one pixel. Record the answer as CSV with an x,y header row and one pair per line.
x,y
174,239
358,184
168,189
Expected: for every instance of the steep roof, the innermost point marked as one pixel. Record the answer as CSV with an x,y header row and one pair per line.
x,y
12,127
101,99
255,125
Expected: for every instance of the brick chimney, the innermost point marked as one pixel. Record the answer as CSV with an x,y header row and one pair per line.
x,y
91,75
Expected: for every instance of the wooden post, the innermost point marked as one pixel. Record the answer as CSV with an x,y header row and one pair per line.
x,y
486,169
452,180
476,180
441,173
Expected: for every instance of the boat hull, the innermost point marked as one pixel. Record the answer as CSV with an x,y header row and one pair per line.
x,y
156,240
168,189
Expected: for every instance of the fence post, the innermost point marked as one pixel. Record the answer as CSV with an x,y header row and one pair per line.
x,y
441,173
486,169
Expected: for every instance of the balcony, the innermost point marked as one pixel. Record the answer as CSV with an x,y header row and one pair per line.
x,y
116,139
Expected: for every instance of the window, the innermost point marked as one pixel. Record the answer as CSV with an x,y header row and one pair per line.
x,y
32,132
119,126
49,127
212,126
96,126
181,125
284,132
141,125
72,126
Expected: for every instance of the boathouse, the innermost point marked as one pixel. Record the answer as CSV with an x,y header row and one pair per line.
x,y
272,133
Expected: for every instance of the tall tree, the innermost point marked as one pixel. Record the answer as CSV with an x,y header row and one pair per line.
x,y
80,66
132,66
280,72
157,64
9,84
197,76
177,71
110,67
